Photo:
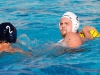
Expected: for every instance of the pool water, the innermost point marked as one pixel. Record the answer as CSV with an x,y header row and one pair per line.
x,y
38,32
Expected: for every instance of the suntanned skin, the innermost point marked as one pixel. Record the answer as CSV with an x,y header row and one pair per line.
x,y
5,47
73,40
65,26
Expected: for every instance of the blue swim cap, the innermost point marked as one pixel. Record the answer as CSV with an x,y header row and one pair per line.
x,y
8,32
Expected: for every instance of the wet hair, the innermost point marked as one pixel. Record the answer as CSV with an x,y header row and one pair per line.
x,y
8,33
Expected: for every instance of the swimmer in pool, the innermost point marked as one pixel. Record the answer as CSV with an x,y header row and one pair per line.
x,y
69,22
8,35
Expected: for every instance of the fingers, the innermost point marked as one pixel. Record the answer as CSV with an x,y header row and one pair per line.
x,y
91,28
88,28
27,53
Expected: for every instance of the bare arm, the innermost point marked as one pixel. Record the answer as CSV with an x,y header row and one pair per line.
x,y
13,50
6,47
86,32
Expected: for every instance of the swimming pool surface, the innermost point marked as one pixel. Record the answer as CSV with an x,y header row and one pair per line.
x,y
38,32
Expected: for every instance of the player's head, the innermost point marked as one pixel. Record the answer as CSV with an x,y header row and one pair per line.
x,y
69,23
8,33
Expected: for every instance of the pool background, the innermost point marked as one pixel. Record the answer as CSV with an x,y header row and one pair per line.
x,y
38,31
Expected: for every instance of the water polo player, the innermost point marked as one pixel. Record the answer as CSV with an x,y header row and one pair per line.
x,y
8,34
69,22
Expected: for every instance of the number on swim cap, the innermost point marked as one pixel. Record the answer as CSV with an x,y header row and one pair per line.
x,y
8,27
8,32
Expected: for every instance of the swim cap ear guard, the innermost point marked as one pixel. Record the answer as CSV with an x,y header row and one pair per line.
x,y
74,19
8,33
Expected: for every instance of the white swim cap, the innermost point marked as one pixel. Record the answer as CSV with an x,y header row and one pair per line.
x,y
74,19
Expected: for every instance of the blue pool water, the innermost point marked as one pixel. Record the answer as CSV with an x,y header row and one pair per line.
x,y
38,31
